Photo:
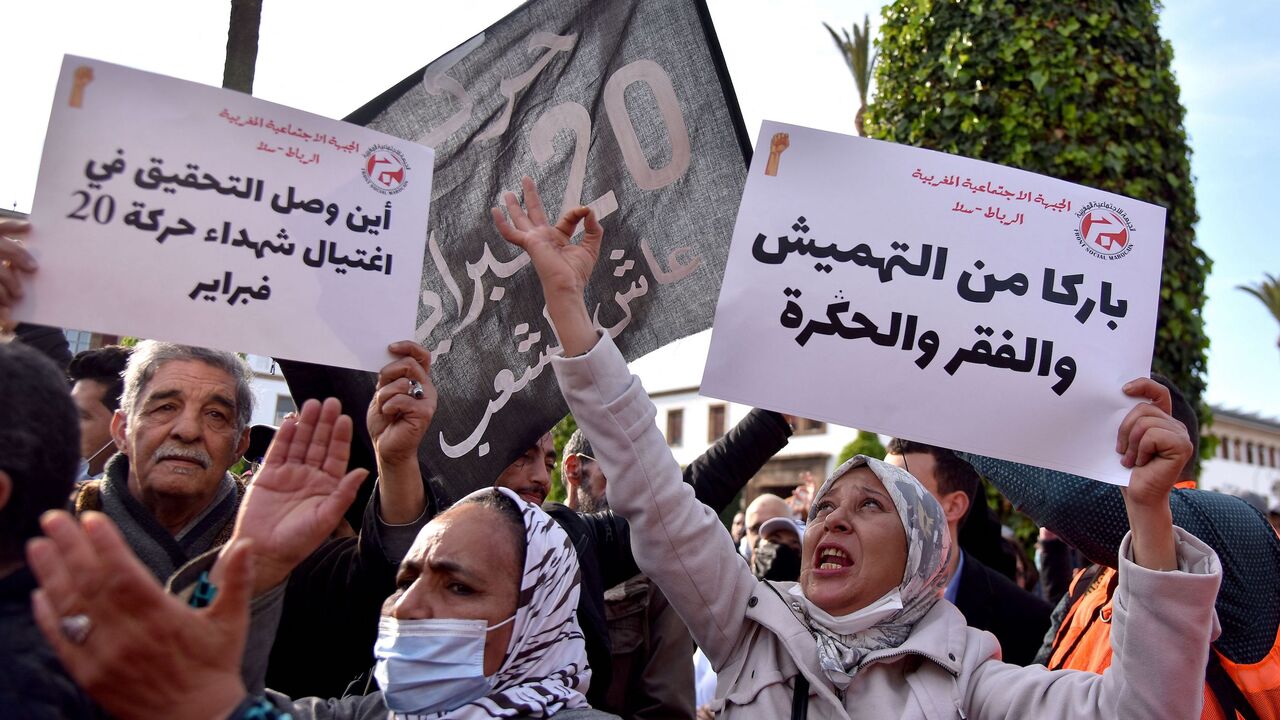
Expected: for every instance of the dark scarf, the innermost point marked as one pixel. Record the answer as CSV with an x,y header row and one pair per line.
x,y
158,550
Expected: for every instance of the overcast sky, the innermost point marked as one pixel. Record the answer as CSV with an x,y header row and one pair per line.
x,y
330,57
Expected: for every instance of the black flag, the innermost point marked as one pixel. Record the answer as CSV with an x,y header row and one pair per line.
x,y
625,106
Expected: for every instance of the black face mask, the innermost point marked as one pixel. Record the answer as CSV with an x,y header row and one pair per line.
x,y
771,561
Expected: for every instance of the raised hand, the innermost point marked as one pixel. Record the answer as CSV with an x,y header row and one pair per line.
x,y
145,654
396,419
1157,447
14,259
562,267
298,497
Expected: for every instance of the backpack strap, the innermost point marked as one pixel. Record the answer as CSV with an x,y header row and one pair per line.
x,y
1230,697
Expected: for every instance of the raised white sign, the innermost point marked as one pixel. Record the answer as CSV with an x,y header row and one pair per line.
x,y
171,210
937,298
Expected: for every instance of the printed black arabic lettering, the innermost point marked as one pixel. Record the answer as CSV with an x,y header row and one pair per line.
x,y
1085,310
210,287
134,218
318,260
918,269
1065,369
979,354
109,170
288,206
823,328
183,228
1068,295
1046,357
1117,310
335,259
909,335
928,343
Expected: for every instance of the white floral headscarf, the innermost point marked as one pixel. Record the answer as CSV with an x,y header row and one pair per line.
x,y
923,579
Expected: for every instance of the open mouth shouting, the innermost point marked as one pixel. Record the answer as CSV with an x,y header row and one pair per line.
x,y
830,559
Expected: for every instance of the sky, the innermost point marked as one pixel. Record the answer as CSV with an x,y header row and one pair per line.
x,y
330,57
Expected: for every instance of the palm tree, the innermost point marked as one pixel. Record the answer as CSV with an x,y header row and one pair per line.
x,y
856,50
1268,291
242,45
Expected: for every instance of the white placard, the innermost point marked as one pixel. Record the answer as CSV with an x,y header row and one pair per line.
x,y
171,210
937,298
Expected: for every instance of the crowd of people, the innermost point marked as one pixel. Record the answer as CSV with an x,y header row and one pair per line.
x,y
153,565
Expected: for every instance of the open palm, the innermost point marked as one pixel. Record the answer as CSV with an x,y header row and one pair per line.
x,y
561,265
298,497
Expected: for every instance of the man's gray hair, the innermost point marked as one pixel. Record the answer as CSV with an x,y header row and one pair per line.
x,y
149,355
578,444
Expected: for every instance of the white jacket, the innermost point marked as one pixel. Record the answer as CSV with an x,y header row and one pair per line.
x,y
1162,624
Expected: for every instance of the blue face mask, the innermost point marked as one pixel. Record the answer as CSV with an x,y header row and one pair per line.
x,y
427,666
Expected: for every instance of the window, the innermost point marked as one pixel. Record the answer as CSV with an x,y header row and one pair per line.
x,y
1249,455
1224,448
804,426
715,422
284,406
675,427
79,340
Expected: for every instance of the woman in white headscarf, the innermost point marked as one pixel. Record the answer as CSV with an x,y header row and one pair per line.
x,y
865,633
482,625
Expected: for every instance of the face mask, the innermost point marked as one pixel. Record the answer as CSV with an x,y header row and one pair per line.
x,y
427,666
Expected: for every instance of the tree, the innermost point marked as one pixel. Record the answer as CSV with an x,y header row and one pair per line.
x,y
1268,292
1080,91
866,443
560,434
856,49
242,45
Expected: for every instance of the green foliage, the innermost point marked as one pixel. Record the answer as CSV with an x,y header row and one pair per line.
x,y
1267,292
856,50
866,443
560,433
1081,91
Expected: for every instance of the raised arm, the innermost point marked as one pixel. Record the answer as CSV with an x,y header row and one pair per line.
x,y
720,473
678,542
1168,582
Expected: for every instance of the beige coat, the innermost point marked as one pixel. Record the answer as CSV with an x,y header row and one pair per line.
x,y
1162,625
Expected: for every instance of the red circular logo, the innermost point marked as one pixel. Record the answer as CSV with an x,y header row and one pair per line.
x,y
385,169
1104,231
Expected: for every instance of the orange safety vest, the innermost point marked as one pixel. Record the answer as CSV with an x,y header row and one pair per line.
x,y
1083,642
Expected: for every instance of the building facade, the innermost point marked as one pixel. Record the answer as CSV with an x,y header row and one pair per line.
x,y
1247,459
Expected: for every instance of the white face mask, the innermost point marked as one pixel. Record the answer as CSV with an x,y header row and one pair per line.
x,y
436,665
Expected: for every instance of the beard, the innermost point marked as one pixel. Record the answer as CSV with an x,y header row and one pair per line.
x,y
589,504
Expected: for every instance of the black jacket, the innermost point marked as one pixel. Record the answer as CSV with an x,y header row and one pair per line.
x,y
33,683
603,540
992,602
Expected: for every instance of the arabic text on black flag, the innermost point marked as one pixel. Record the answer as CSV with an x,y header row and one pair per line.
x,y
624,106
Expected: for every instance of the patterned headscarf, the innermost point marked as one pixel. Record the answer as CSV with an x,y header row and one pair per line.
x,y
923,579
546,669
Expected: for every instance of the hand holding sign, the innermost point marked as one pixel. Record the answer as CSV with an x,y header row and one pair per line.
x,y
14,259
1157,447
562,267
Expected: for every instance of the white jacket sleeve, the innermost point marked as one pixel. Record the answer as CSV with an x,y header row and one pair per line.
x,y
1162,625
677,541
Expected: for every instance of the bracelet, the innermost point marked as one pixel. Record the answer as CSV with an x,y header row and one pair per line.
x,y
256,708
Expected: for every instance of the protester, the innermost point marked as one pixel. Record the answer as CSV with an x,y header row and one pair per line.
x,y
764,508
1244,667
988,600
867,630
738,529
776,555
38,451
97,378
480,623
650,649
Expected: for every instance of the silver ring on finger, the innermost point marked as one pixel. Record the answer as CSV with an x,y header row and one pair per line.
x,y
415,389
76,628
